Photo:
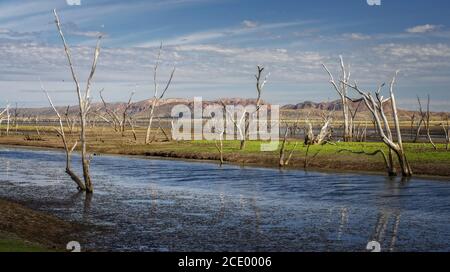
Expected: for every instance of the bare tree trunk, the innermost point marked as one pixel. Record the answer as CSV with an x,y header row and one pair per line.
x,y
377,109
426,120
341,89
428,124
84,102
156,97
219,146
309,134
1,118
260,83
445,126
324,133
237,123
8,117
133,130
116,122
68,121
84,160
246,131
283,148
36,122
168,139
413,121
404,164
150,121
16,118
124,114
61,133
283,160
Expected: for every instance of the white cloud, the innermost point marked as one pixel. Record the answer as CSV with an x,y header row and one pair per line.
x,y
249,24
414,50
423,29
215,34
206,48
88,34
356,36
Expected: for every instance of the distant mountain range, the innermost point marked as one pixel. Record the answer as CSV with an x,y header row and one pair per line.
x,y
140,109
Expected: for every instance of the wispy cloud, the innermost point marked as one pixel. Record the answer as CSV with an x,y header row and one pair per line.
x,y
249,23
423,29
214,34
356,36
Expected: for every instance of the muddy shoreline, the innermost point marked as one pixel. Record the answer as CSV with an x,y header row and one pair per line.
x,y
33,226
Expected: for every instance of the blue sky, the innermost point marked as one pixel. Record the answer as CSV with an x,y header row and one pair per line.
x,y
216,45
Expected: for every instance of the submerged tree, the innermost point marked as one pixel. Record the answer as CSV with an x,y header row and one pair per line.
x,y
376,107
84,102
68,149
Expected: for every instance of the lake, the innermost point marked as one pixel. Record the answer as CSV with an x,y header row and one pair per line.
x,y
148,204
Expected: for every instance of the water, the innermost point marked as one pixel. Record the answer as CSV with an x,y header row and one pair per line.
x,y
165,205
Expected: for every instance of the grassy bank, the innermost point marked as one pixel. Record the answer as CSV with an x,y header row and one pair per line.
x,y
423,158
11,243
25,230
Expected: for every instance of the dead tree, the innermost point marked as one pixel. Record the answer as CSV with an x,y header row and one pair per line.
x,y
156,97
36,125
132,125
68,150
360,133
320,139
284,161
420,122
352,121
236,120
426,117
413,121
70,122
6,113
7,116
310,138
16,118
160,127
376,107
219,144
260,83
445,126
114,117
341,89
125,112
8,120
84,102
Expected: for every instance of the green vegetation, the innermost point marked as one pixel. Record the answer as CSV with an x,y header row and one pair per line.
x,y
11,243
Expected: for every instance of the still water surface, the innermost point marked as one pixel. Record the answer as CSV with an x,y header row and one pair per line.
x,y
166,205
